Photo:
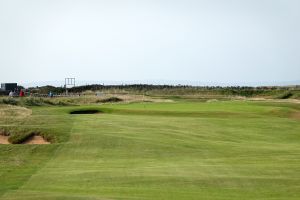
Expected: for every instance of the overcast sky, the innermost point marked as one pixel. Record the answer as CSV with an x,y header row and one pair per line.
x,y
226,41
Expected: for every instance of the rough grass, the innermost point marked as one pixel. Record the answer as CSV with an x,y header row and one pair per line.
x,y
34,101
77,100
20,137
184,150
14,111
109,100
285,95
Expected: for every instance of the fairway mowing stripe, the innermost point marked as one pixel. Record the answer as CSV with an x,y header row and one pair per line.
x,y
43,165
37,194
132,159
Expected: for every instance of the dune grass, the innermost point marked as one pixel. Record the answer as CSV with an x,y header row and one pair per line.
x,y
184,150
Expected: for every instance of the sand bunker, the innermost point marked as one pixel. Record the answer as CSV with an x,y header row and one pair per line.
x,y
4,139
32,140
80,112
36,140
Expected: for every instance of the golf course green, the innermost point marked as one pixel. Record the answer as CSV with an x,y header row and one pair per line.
x,y
218,150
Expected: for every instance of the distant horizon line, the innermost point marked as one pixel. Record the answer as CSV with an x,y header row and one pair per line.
x,y
164,82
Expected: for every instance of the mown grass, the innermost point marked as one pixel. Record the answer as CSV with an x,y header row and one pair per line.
x,y
19,162
183,150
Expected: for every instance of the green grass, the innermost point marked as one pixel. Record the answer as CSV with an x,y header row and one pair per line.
x,y
184,150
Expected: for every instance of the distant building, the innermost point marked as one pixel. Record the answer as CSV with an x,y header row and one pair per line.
x,y
9,86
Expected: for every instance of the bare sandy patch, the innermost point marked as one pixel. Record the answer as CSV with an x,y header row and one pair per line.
x,y
36,140
4,139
